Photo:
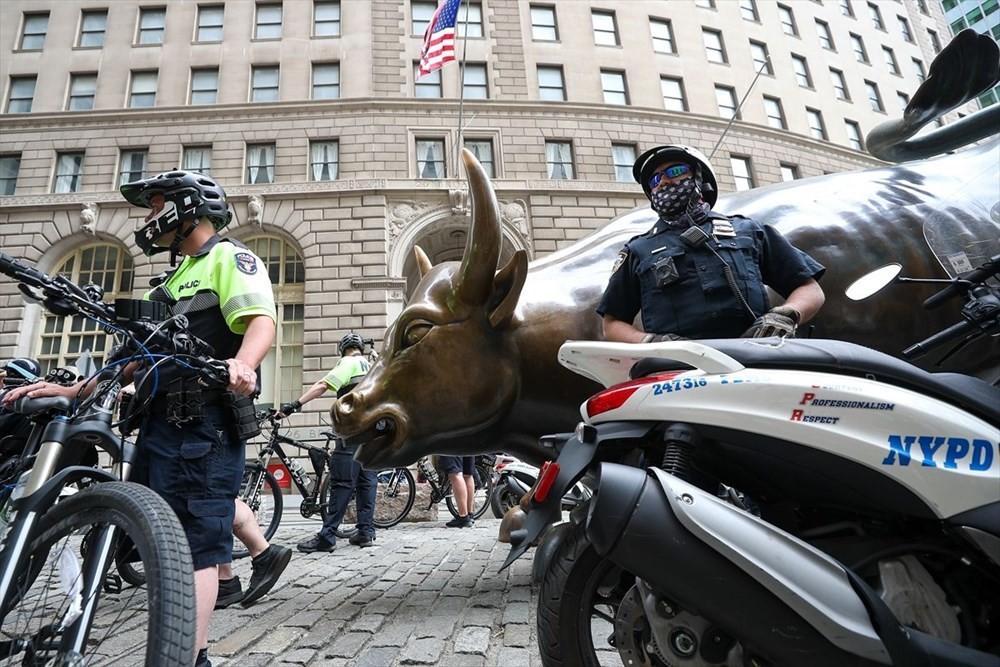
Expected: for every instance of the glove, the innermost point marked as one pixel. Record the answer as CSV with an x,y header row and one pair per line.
x,y
779,321
659,338
290,408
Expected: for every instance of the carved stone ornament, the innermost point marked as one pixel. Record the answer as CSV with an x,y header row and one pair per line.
x,y
402,213
88,217
255,209
459,199
514,213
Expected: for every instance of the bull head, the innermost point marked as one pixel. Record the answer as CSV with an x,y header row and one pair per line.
x,y
448,366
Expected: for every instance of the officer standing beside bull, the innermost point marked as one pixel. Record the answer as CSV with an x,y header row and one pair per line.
x,y
698,273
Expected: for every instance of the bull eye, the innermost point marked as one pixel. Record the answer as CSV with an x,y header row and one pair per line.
x,y
416,331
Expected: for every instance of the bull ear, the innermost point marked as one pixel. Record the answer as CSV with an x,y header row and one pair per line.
x,y
423,261
507,286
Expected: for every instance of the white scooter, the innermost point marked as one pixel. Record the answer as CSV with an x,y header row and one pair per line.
x,y
513,478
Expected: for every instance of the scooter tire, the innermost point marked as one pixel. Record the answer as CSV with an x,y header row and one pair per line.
x,y
502,499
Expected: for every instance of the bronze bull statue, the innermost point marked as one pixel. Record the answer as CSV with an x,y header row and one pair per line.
x,y
470,364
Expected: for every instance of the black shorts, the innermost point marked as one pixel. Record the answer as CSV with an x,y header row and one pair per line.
x,y
463,464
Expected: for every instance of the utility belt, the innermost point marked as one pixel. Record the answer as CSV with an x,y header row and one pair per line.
x,y
186,400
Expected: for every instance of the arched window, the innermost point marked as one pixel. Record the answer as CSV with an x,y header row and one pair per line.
x,y
64,340
281,371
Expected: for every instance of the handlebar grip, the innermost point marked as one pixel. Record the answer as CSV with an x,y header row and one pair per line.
x,y
964,282
953,332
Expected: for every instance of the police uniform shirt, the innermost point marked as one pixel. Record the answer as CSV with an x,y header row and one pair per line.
x,y
347,373
683,290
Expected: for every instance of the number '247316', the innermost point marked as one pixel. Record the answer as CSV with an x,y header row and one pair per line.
x,y
678,385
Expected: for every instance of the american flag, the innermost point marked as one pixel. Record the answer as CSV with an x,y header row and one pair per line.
x,y
439,39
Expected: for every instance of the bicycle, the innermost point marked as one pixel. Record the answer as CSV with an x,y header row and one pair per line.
x,y
55,554
396,487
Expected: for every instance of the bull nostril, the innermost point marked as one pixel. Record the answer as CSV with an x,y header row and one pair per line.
x,y
345,404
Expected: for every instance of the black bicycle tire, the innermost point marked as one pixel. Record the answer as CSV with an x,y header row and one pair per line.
x,y
411,497
148,520
483,473
270,485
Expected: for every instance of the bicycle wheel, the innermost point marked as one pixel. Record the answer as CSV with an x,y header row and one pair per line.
x,y
260,491
396,493
151,626
484,489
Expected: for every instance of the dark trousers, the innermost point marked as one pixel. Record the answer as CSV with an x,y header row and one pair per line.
x,y
346,474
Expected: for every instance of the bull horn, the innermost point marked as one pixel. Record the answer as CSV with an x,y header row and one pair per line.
x,y
482,248
423,261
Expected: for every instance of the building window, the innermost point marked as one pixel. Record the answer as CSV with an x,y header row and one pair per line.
x,y
974,15
613,84
825,37
326,19
143,93
550,83
904,29
748,9
816,127
876,15
198,159
789,172
918,68
470,18
742,173
64,340
673,94
623,156
725,97
761,59
281,369
859,49
152,22
846,9
890,60
22,94
264,83
82,88
935,41
775,114
787,21
801,69
132,166
204,86
324,160
474,82
839,84
421,13
483,150
873,96
854,135
705,4
605,30
92,28
559,159
428,85
33,33
543,23
958,25
210,24
714,49
663,35
260,163
268,22
9,166
922,6
69,172
430,158
326,81
904,100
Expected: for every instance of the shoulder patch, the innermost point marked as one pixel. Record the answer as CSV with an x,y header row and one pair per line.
x,y
619,260
246,263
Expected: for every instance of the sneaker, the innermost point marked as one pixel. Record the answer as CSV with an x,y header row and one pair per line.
x,y
360,540
316,543
460,522
230,592
267,568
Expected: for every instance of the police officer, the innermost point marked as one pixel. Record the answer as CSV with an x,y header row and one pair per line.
x,y
346,474
698,273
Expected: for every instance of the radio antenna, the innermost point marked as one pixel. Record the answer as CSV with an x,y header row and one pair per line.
x,y
736,113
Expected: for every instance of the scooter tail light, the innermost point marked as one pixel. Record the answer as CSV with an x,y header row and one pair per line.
x,y
546,478
614,397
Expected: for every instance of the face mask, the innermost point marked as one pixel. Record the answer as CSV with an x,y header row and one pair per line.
x,y
672,201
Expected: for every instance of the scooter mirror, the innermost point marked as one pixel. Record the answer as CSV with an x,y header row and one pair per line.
x,y
870,283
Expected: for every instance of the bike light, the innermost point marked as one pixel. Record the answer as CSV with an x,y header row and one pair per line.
x,y
547,477
614,397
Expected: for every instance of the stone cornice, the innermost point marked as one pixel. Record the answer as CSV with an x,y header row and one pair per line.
x,y
379,282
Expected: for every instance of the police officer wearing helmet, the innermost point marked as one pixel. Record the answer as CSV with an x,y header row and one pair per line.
x,y
346,474
698,273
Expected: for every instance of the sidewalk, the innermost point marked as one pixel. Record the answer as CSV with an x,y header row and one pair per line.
x,y
424,595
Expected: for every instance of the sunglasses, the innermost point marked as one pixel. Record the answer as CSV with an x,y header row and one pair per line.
x,y
670,172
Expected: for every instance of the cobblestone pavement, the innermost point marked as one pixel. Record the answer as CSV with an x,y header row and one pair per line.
x,y
424,595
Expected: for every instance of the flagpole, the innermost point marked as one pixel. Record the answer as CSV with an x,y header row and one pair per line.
x,y
461,87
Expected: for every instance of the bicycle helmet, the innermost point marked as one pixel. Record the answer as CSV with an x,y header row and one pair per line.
x,y
22,368
654,157
351,340
187,196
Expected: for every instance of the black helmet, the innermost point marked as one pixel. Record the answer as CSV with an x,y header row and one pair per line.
x,y
643,168
351,340
22,368
188,196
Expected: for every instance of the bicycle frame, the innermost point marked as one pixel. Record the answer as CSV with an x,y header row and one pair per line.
x,y
273,447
